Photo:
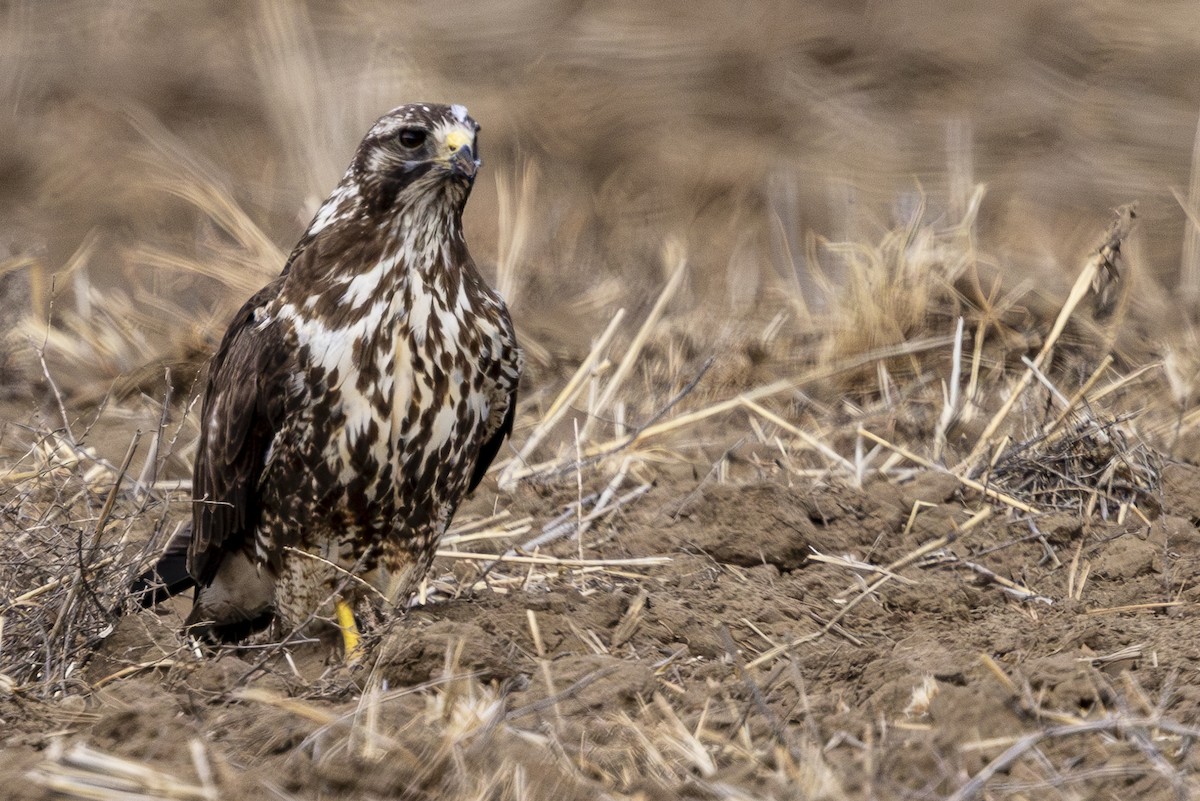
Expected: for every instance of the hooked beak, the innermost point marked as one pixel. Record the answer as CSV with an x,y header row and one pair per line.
x,y
461,158
463,162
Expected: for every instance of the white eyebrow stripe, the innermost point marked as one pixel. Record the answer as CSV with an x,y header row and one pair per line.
x,y
459,112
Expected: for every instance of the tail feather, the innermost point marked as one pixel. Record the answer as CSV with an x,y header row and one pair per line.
x,y
169,576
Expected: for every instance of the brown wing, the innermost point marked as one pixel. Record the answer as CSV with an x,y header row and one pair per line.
x,y
241,413
504,398
491,445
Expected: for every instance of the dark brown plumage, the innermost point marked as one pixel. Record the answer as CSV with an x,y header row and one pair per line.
x,y
357,398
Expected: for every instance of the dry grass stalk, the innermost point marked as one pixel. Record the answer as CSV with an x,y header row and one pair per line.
x,y
808,439
1103,256
515,194
85,773
555,561
1078,396
1074,592
1007,586
130,670
674,255
630,620
1125,654
511,472
1120,726
689,419
854,564
1189,279
1108,288
966,482
951,403
1117,610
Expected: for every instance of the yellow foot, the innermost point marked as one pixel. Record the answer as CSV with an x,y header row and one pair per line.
x,y
351,641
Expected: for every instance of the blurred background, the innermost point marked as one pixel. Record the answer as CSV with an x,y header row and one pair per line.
x,y
157,160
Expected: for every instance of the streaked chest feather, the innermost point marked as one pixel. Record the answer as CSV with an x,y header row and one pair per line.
x,y
400,381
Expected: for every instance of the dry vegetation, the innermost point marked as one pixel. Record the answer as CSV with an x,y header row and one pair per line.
x,y
855,455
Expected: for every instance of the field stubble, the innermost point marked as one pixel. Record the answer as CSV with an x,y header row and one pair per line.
x,y
823,485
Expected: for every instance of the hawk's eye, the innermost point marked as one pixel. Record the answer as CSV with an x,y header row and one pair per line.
x,y
412,138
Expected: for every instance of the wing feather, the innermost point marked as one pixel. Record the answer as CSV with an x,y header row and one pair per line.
x,y
504,400
239,419
491,445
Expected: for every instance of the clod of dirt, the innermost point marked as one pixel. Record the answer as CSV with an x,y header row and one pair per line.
x,y
754,525
954,602
258,731
967,714
135,639
930,486
945,661
1177,534
1060,528
588,682
132,722
1127,557
1066,681
1181,491
414,654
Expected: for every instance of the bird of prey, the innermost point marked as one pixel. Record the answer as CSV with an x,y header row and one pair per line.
x,y
354,401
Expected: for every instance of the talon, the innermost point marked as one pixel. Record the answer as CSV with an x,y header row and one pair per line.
x,y
351,640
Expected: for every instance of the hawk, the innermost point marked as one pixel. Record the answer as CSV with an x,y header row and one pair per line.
x,y
354,401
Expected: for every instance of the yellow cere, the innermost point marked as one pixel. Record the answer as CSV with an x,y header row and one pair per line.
x,y
457,139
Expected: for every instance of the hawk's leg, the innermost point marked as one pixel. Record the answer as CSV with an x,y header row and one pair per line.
x,y
351,640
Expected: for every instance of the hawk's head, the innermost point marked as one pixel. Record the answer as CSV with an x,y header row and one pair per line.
x,y
421,152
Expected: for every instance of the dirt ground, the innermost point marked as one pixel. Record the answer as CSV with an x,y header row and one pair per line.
x,y
748,664
802,223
